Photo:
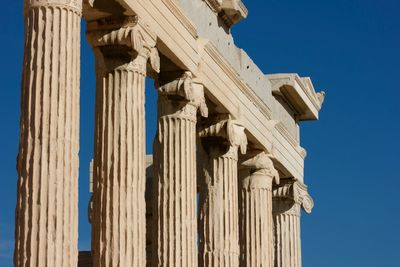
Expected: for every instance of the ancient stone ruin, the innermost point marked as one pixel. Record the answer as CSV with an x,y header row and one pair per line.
x,y
225,186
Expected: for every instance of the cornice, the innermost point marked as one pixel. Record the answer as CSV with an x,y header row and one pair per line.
x,y
312,95
230,11
299,92
214,5
213,52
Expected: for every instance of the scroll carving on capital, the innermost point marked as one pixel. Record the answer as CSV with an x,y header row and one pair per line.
x,y
128,35
297,192
231,131
185,88
302,197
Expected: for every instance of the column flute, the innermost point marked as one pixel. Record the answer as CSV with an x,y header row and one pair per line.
x,y
219,222
46,230
256,222
179,100
289,198
123,47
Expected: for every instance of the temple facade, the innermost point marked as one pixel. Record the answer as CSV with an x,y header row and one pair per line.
x,y
225,184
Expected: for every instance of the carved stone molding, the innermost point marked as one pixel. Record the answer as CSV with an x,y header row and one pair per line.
x,y
257,176
231,11
260,164
125,37
184,92
295,191
288,200
300,93
230,132
75,5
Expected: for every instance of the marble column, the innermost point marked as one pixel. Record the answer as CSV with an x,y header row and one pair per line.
x,y
219,222
122,48
288,199
46,230
179,100
255,213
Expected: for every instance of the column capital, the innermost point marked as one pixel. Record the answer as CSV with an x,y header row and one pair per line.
x,y
75,5
179,86
261,166
124,37
295,191
227,132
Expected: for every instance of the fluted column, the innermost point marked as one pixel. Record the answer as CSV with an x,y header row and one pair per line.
x,y
288,200
256,222
122,48
46,230
219,223
175,169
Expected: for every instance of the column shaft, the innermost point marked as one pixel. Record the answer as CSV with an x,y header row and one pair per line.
x,y
123,48
287,238
47,204
175,167
256,232
219,213
288,199
119,224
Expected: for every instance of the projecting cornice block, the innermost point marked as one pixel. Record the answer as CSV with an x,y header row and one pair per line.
x,y
299,92
230,11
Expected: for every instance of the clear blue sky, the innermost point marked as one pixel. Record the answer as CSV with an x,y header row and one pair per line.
x,y
350,48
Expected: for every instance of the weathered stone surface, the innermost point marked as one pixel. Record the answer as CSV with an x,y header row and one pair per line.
x,y
71,5
289,198
256,222
119,226
175,170
219,218
47,205
201,71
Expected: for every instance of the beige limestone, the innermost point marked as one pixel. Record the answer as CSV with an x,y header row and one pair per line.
x,y
47,205
179,99
230,11
289,198
193,37
256,222
219,222
127,37
122,48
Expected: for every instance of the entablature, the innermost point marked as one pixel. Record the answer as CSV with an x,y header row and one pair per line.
x,y
231,79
